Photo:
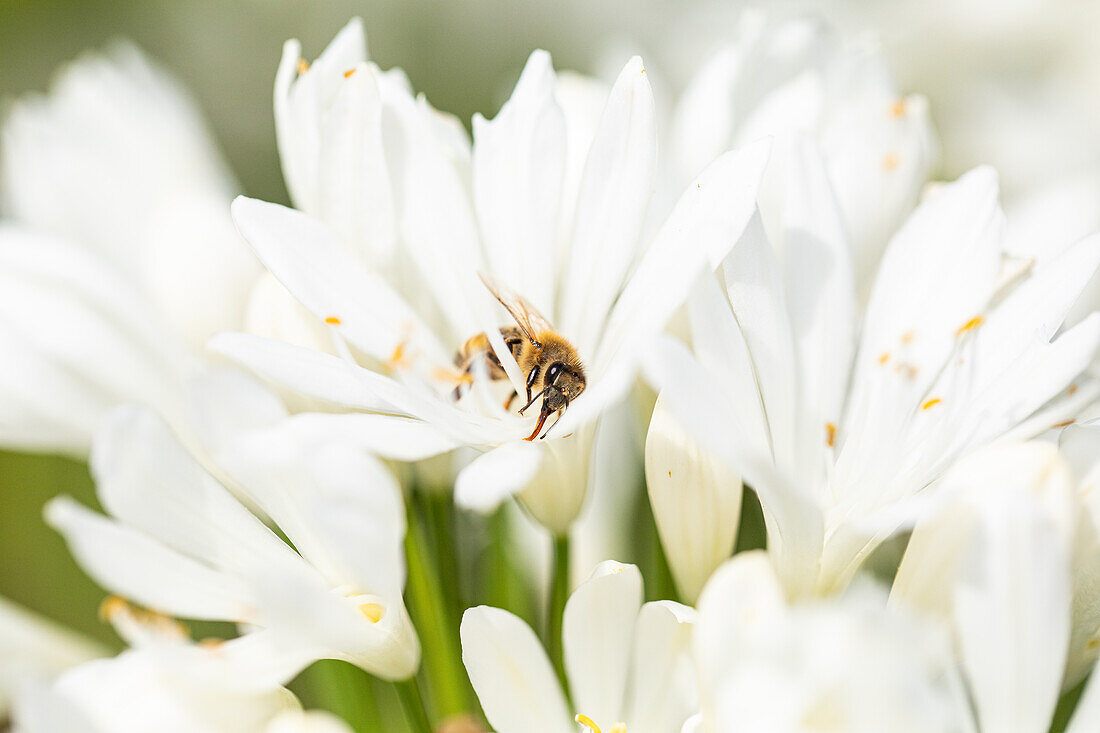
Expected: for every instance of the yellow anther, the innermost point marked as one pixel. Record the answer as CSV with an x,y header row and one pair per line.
x,y
1063,424
618,728
587,722
884,357
333,321
303,66
931,403
969,326
397,358
897,109
348,73
449,375
907,337
1072,389
890,161
372,611
111,606
830,434
212,643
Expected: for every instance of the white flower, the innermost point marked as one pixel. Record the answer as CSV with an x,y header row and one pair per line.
x,y
696,502
1003,564
179,542
166,683
400,286
626,662
118,258
33,649
796,75
840,438
845,664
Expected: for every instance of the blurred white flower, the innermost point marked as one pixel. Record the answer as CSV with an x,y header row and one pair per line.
x,y
839,438
118,255
34,650
164,683
626,662
1009,565
696,502
1058,484
548,204
845,664
177,541
783,76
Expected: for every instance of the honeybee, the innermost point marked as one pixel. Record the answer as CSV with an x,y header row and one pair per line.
x,y
550,364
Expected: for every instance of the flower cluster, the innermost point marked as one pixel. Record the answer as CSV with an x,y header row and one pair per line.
x,y
356,436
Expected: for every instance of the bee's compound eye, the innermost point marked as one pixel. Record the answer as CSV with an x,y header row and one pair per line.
x,y
553,371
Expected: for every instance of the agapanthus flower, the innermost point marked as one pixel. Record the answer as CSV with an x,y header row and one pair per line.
x,y
847,663
117,253
179,542
1009,565
167,683
841,419
627,663
787,76
399,214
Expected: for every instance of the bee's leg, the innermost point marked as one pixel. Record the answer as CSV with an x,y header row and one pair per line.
x,y
531,379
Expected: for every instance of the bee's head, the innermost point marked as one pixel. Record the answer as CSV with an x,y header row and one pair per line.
x,y
563,385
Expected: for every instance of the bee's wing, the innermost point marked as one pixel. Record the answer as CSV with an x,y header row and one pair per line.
x,y
526,316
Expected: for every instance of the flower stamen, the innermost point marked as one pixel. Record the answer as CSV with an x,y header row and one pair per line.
x,y
969,326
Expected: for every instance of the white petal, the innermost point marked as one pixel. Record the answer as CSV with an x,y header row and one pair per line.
x,y
32,648
696,502
754,284
662,691
518,165
307,258
387,436
511,674
1012,598
705,224
438,224
614,192
698,402
300,101
597,636
334,380
820,290
742,597
137,566
104,155
719,344
80,339
148,481
339,506
497,474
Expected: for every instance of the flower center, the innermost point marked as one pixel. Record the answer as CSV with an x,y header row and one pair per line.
x,y
587,722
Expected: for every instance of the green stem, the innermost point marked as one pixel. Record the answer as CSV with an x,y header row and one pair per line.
x,y
438,631
559,593
345,690
415,713
439,511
